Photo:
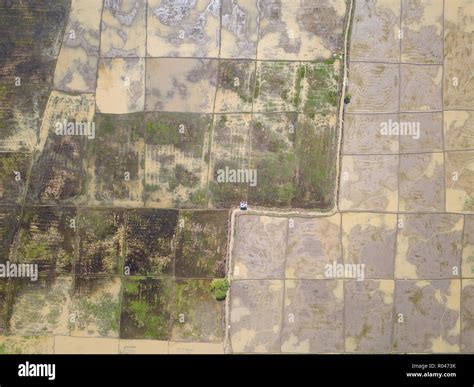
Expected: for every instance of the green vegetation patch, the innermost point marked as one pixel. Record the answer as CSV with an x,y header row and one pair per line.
x,y
198,316
13,176
58,174
146,308
273,157
47,238
115,157
219,288
96,307
100,241
315,152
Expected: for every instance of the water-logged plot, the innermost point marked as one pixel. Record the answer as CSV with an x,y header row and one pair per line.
x,y
375,35
363,134
429,246
115,161
467,316
458,130
183,28
368,316
422,26
235,88
256,316
431,307
177,159
374,88
150,242
259,251
369,239
41,306
202,244
369,183
197,315
180,85
312,244
121,85
146,308
123,31
426,133
421,88
300,30
458,55
312,316
459,180
76,67
46,237
100,241
421,182
13,176
239,29
468,248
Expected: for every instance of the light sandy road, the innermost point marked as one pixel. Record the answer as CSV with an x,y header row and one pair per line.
x,y
296,213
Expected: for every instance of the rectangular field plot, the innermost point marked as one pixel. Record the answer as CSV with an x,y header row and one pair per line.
x,y
96,307
315,143
47,238
101,244
183,29
375,34
229,157
180,85
9,217
123,29
115,161
30,36
150,242
422,25
308,87
76,67
197,315
21,111
300,30
58,170
13,176
41,306
202,244
273,157
239,28
458,55
177,157
146,308
235,87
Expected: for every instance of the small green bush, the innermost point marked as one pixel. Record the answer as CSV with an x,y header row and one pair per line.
x,y
219,288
